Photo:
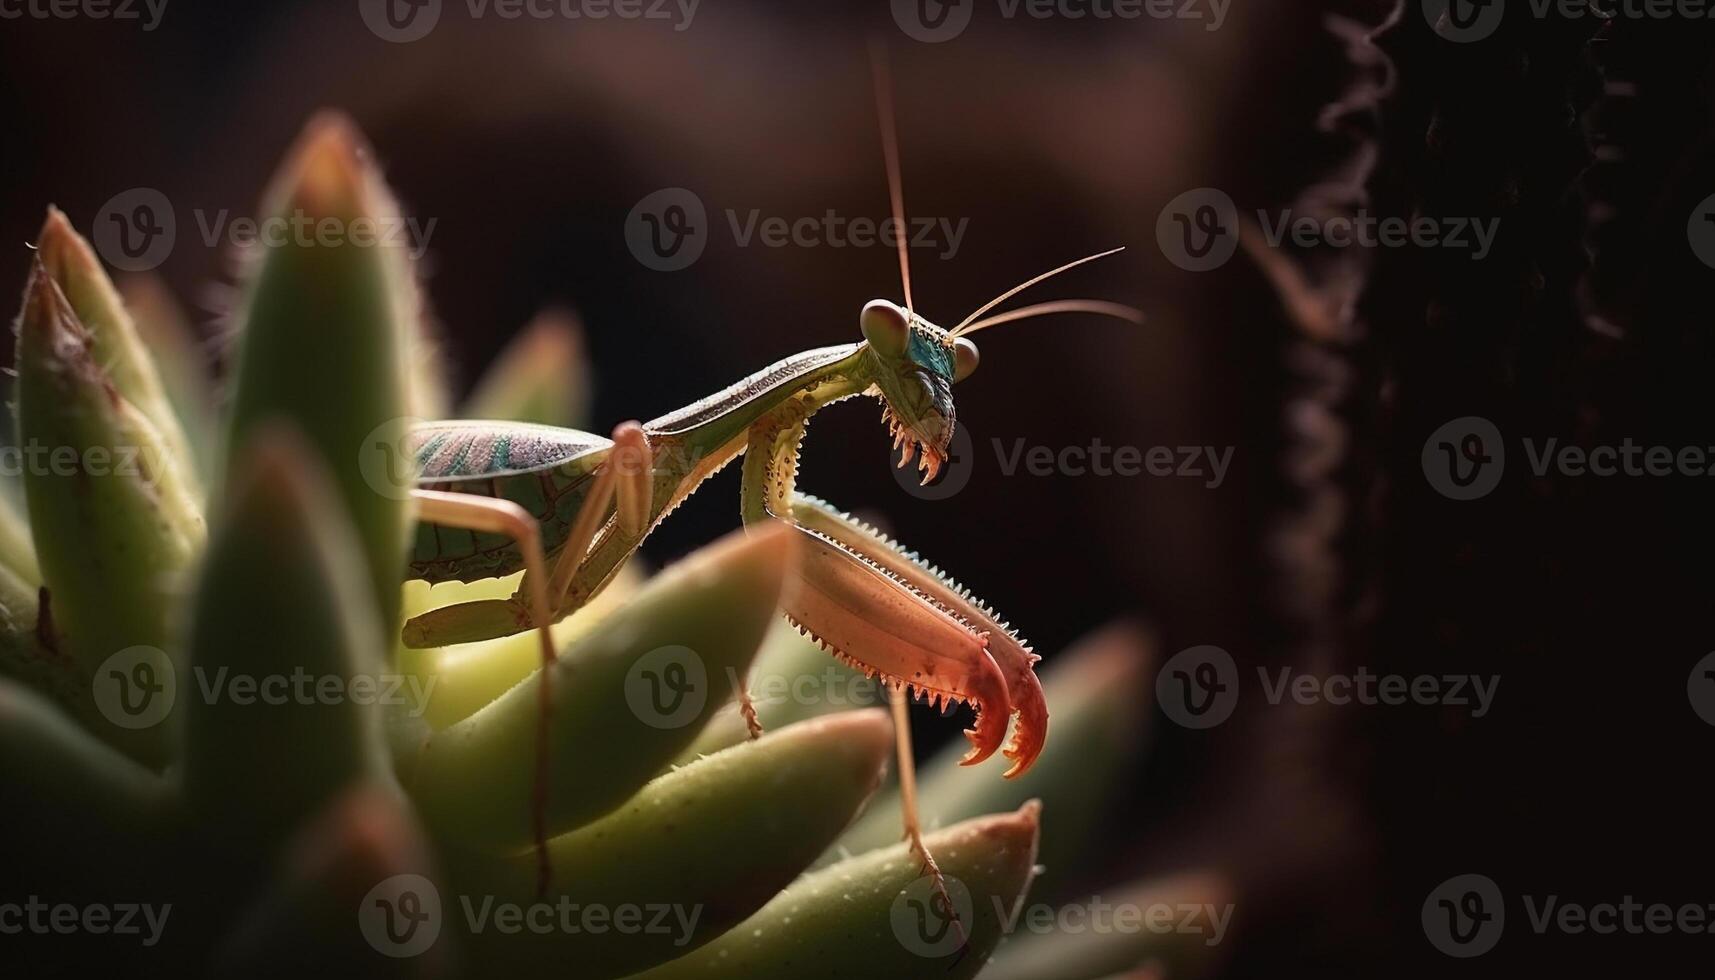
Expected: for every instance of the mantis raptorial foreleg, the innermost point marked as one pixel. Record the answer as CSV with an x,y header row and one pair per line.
x,y
1016,661
848,597
491,515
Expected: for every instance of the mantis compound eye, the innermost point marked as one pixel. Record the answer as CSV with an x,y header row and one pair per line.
x,y
884,327
965,358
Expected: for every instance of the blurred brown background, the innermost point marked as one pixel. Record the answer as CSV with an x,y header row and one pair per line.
x,y
528,142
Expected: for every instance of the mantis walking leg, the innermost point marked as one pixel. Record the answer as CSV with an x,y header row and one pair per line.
x,y
496,516
626,474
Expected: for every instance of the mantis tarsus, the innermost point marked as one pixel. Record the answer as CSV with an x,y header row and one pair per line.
x,y
570,508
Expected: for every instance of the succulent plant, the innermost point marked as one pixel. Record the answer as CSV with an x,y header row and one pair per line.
x,y
206,717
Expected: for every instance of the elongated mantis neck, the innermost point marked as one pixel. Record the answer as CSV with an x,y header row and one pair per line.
x,y
714,429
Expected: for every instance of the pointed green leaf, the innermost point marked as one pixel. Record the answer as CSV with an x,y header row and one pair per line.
x,y
878,916
625,699
541,376
326,329
282,701
115,530
114,340
1158,937
712,841
1098,700
181,361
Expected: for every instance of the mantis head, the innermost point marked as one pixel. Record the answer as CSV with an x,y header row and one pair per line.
x,y
915,364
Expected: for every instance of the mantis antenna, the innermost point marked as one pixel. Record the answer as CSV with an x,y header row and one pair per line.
x,y
890,150
966,325
1097,306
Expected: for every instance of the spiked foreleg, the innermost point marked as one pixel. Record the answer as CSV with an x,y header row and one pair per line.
x,y
1013,655
865,615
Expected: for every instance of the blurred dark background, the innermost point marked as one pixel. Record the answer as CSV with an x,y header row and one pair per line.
x,y
528,142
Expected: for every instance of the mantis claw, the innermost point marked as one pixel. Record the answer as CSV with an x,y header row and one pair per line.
x,y
905,570
869,620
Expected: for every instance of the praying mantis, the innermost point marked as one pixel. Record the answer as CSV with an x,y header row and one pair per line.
x,y
570,508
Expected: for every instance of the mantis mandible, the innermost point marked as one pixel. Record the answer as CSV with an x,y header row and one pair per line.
x,y
570,508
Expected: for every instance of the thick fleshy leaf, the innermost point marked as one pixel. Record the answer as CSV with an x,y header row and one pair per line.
x,y
625,699
1099,700
36,665
114,340
18,611
792,679
706,846
283,699
17,551
326,332
1177,925
468,676
115,530
878,915
180,359
541,376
